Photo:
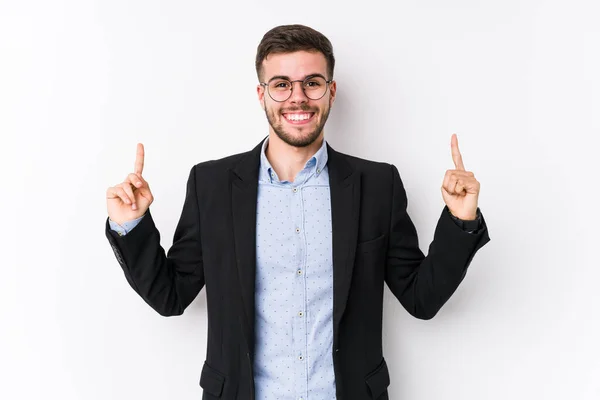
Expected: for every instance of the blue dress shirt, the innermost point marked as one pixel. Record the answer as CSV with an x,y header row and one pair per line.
x,y
294,284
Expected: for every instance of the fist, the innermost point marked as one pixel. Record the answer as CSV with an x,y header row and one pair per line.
x,y
131,198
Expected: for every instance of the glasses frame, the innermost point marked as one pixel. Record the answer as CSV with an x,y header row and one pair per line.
x,y
266,85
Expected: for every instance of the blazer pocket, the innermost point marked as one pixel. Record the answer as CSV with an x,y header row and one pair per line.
x,y
212,381
378,380
371,245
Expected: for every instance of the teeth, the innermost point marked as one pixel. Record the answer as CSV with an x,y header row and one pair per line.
x,y
298,117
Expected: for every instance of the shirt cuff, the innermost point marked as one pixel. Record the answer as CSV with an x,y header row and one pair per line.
x,y
124,229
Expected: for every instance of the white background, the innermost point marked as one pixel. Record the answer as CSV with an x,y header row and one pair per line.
x,y
81,82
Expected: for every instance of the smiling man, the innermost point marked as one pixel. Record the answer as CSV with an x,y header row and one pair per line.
x,y
294,242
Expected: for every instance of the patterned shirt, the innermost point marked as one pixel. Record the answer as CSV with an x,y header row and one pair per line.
x,y
294,284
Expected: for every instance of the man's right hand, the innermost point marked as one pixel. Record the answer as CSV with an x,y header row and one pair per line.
x,y
130,199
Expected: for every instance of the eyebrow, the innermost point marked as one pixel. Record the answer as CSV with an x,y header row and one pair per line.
x,y
289,79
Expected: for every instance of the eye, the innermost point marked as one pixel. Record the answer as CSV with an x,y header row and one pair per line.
x,y
313,83
280,85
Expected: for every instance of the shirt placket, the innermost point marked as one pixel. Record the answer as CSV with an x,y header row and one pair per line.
x,y
299,313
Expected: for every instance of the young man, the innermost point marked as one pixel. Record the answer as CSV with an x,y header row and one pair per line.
x,y
294,241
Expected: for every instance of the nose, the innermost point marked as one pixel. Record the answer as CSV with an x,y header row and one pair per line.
x,y
298,95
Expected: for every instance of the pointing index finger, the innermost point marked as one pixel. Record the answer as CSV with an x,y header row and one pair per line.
x,y
456,156
139,159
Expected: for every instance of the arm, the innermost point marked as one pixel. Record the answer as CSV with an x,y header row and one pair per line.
x,y
424,284
167,283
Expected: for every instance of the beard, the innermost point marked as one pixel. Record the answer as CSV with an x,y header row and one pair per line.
x,y
289,138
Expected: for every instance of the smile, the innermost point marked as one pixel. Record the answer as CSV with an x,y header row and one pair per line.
x,y
298,118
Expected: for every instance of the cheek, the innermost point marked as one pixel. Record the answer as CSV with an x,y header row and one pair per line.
x,y
273,110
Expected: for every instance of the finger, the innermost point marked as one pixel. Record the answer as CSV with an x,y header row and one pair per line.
x,y
129,191
118,192
452,179
450,182
472,186
135,180
143,189
464,184
139,159
452,175
456,156
461,174
446,181
459,188
111,193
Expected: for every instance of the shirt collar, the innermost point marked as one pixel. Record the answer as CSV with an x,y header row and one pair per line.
x,y
315,164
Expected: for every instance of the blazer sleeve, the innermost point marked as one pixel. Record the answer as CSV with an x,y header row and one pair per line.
x,y
424,284
168,283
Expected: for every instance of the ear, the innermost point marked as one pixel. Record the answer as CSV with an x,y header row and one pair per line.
x,y
332,92
260,91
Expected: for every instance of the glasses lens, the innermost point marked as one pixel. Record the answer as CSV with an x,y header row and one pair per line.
x,y
314,87
281,89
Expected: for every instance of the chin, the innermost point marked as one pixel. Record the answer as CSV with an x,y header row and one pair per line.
x,y
297,139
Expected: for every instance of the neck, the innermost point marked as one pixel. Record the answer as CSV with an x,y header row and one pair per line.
x,y
288,160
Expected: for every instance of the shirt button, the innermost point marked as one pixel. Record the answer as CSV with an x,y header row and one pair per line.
x,y
300,358
295,190
297,230
300,314
299,272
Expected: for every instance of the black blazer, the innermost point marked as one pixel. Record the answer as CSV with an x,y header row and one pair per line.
x,y
374,241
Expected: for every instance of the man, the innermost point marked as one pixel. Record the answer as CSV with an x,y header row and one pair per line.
x,y
294,241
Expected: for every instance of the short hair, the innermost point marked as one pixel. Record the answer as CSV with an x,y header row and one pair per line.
x,y
291,38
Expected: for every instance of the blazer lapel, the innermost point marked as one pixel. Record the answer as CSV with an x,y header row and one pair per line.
x,y
244,191
344,184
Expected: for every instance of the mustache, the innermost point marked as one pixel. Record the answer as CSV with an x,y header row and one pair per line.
x,y
303,107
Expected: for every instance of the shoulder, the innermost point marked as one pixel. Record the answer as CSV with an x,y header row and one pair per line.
x,y
224,163
368,167
219,167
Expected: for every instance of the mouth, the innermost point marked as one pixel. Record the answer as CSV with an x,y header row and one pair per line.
x,y
299,118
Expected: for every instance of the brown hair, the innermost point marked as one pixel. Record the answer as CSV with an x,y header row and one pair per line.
x,y
290,38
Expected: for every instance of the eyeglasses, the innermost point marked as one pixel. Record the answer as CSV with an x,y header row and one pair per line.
x,y
280,89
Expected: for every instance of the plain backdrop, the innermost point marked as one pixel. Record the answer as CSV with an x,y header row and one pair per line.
x,y
81,82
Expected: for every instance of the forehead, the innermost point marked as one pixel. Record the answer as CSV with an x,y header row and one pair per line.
x,y
296,65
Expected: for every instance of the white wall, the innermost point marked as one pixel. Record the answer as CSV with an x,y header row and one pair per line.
x,y
81,82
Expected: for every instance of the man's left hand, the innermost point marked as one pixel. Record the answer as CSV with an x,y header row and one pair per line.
x,y
460,189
